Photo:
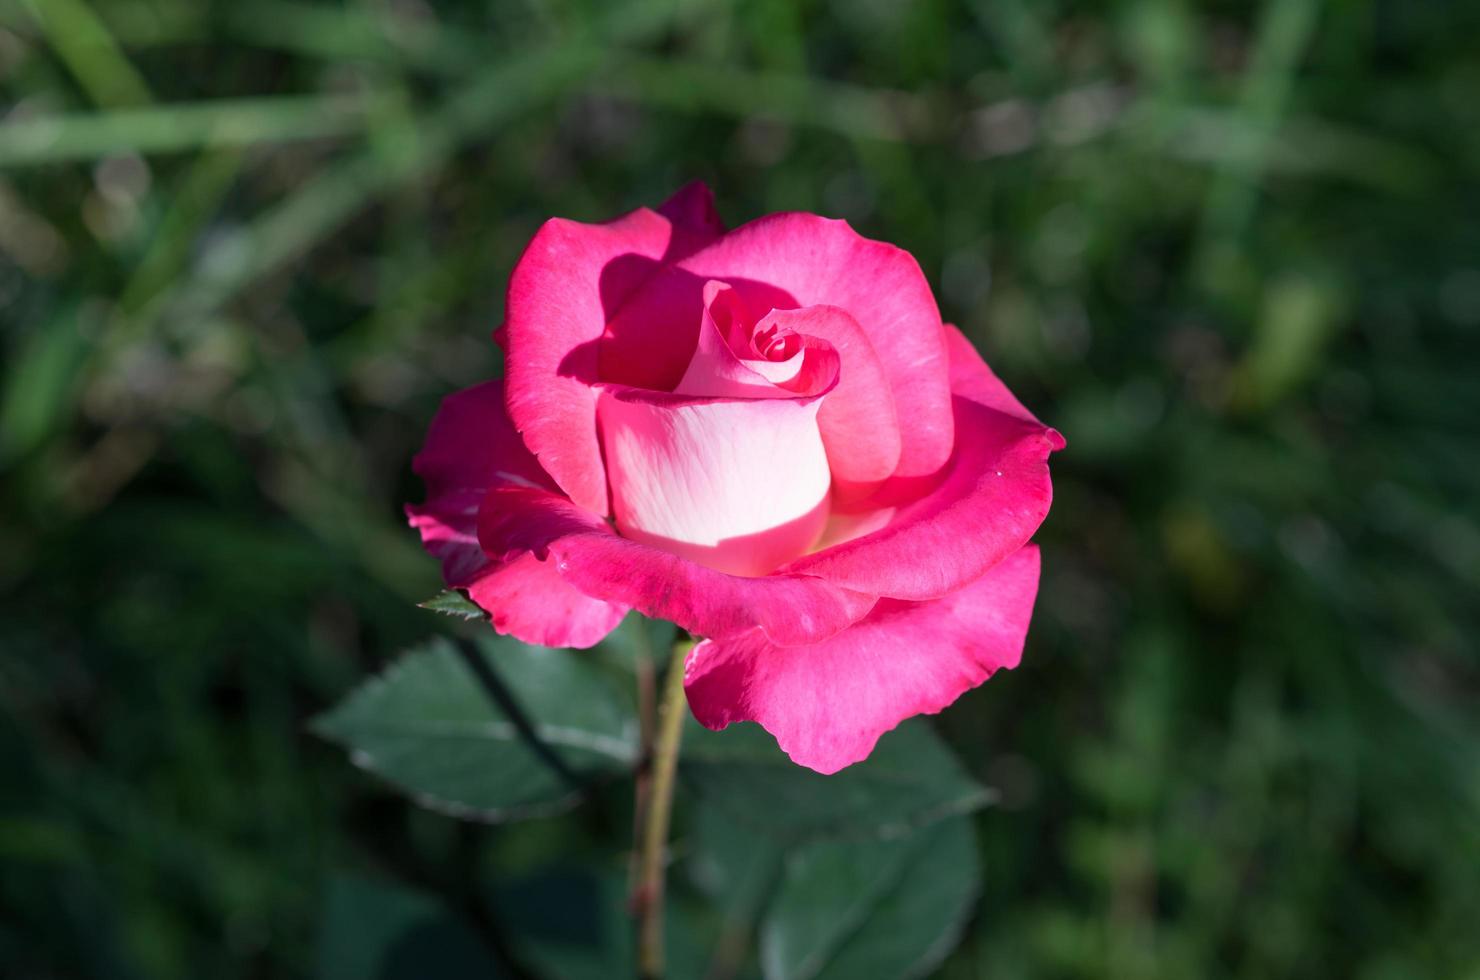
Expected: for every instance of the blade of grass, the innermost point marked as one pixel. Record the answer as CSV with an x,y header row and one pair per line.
x,y
1285,28
92,56
191,204
343,33
182,126
132,24
851,110
1303,146
342,190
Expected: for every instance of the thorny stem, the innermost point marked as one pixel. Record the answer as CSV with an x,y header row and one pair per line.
x,y
657,808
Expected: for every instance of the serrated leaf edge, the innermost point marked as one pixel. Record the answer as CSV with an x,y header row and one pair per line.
x,y
466,615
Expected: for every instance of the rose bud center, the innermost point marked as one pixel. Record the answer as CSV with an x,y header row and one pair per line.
x,y
729,468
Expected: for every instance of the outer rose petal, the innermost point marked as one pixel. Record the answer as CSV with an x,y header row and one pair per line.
x,y
827,703
471,447
571,279
788,609
528,599
995,494
692,210
470,444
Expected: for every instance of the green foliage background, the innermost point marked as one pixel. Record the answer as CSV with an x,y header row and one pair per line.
x,y
1230,250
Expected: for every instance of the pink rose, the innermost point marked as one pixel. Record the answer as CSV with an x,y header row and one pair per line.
x,y
764,435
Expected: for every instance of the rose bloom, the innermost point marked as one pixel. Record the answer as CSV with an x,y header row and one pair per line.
x,y
765,435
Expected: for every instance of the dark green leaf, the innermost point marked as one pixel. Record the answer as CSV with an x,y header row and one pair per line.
x,y
732,863
568,921
574,923
450,602
910,780
848,909
375,930
736,868
429,726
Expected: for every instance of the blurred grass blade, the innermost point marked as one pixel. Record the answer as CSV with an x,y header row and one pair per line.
x,y
182,126
316,210
131,24
1297,318
191,206
40,381
90,53
1285,28
358,33
851,110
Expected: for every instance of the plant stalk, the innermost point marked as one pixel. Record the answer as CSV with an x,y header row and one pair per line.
x,y
658,808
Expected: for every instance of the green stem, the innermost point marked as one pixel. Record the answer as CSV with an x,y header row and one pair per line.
x,y
652,858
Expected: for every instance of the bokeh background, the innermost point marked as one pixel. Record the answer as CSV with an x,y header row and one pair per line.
x,y
1230,249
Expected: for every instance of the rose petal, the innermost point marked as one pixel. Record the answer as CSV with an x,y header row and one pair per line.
x,y
738,484
788,609
716,368
858,422
827,703
692,211
844,527
572,279
471,447
994,495
795,260
470,443
527,598
569,281
973,381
